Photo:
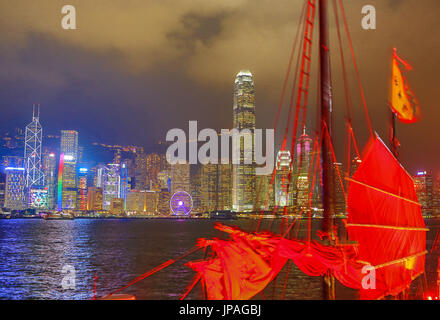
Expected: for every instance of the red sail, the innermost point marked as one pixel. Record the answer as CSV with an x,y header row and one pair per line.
x,y
385,218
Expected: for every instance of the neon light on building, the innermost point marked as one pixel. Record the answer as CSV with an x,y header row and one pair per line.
x,y
60,182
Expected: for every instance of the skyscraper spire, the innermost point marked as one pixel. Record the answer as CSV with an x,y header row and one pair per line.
x,y
32,150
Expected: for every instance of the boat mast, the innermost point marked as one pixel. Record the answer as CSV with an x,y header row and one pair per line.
x,y
328,190
393,136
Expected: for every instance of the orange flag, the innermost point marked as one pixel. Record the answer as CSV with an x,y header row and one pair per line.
x,y
403,100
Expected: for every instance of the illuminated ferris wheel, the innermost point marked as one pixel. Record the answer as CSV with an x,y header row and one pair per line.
x,y
181,203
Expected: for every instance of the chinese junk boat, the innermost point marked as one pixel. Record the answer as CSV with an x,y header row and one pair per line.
x,y
384,246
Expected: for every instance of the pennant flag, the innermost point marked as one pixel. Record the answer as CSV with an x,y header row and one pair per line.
x,y
403,100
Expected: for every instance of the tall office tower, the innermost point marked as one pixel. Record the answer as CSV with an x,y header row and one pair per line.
x,y
423,184
163,204
266,196
32,151
49,170
82,189
117,206
69,153
141,171
125,186
149,201
224,188
94,199
153,162
164,178
302,166
196,187
209,190
98,174
340,207
111,184
69,144
15,196
133,203
243,188
436,196
2,189
180,178
283,191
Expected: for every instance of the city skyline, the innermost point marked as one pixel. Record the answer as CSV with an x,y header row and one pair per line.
x,y
78,77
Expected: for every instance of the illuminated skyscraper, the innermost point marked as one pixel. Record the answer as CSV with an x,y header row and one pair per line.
x,y
180,178
82,189
94,199
32,151
224,188
283,197
423,184
69,153
209,187
303,160
15,196
49,169
111,184
69,144
243,175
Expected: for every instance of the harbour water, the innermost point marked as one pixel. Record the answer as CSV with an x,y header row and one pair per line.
x,y
33,253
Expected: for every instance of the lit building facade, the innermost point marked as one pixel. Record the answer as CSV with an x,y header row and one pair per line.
x,y
111,184
423,184
32,152
49,170
302,165
82,189
283,197
180,178
67,169
15,196
243,175
94,199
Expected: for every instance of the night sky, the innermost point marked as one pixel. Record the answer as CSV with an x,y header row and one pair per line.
x,y
135,69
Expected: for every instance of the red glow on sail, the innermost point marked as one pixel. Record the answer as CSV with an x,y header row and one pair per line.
x,y
385,218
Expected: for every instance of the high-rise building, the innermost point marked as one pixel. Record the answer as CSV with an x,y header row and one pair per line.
x,y
163,204
15,196
117,206
340,207
2,189
111,184
82,189
94,199
302,165
49,170
68,165
196,187
224,187
264,191
32,151
243,184
284,193
141,171
69,144
133,203
423,184
209,187
180,178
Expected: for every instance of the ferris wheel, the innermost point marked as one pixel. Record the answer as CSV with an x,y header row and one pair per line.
x,y
181,203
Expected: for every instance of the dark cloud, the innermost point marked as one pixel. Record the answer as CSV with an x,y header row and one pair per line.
x,y
135,69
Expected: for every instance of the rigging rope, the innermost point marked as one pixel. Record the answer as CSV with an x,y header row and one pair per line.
x,y
153,271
